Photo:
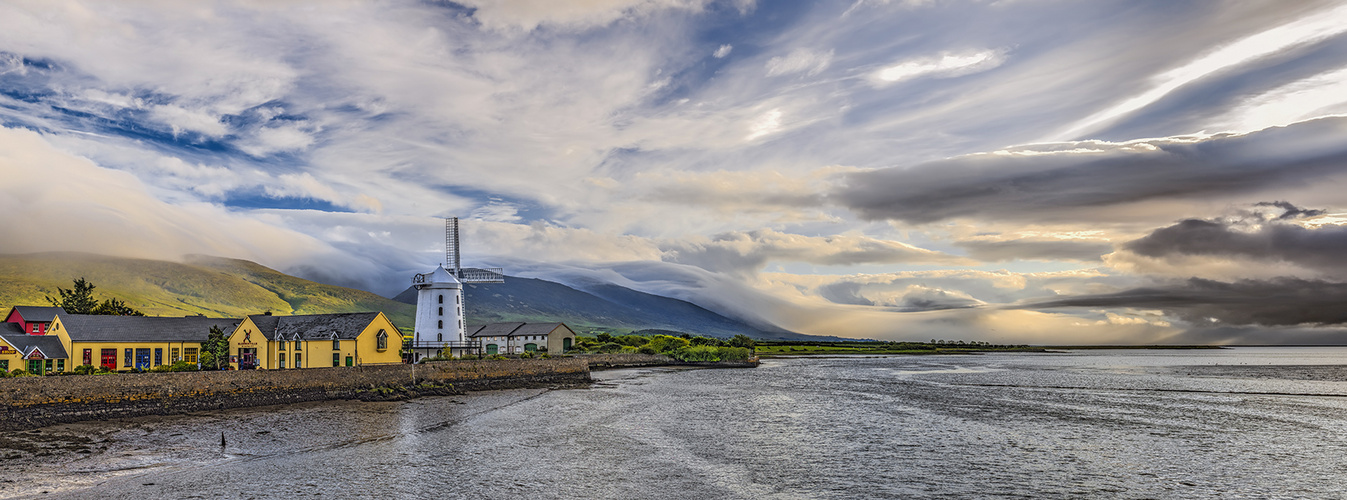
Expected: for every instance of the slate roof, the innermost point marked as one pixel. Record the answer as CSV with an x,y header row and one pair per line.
x,y
38,313
95,328
538,328
514,329
315,326
50,345
497,330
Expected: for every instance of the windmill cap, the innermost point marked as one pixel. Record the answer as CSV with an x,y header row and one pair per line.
x,y
441,278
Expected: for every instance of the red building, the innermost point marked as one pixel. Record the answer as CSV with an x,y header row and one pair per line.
x,y
33,320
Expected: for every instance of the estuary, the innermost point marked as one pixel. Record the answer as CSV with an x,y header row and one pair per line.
x,y
1240,422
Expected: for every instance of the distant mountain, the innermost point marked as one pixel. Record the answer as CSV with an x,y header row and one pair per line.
x,y
620,308
211,286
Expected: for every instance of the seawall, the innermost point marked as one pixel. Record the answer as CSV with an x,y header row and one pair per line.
x,y
31,402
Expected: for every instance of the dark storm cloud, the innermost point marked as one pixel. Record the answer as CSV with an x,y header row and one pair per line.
x,y
1269,240
1063,181
1275,302
999,251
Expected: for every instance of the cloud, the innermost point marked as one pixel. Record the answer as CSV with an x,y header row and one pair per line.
x,y
1252,236
722,51
98,210
568,14
946,65
1273,302
1311,28
747,252
800,60
1027,249
1089,180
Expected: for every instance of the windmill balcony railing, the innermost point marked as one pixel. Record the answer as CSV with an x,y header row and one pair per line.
x,y
441,345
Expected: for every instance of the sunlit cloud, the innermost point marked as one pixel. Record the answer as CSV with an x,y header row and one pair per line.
x,y
1309,29
943,66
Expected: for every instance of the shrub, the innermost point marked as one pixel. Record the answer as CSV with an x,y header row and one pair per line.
x,y
646,349
631,340
496,357
706,341
711,353
526,355
610,347
18,372
85,370
666,344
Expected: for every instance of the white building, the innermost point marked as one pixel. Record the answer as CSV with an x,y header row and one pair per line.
x,y
439,313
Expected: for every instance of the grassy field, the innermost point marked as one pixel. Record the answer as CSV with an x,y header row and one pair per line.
x,y
202,285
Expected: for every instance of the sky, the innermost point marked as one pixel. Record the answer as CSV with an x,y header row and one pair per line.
x,y
1012,171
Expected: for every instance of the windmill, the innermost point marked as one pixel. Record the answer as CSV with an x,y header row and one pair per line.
x,y
440,321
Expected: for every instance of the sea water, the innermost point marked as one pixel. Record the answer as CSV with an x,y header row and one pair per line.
x,y
1229,423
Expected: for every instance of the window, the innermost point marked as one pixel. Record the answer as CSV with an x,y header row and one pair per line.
x,y
439,337
456,299
441,300
382,340
298,361
282,346
158,356
48,363
4,364
34,327
173,354
60,365
439,324
296,348
336,345
129,361
189,354
89,356
280,362
441,311
336,359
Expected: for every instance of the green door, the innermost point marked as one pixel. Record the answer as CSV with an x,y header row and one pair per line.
x,y
566,344
531,347
350,361
492,349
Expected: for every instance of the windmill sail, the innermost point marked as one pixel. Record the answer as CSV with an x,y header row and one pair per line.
x,y
453,261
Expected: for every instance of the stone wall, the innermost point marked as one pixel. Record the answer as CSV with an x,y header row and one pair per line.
x,y
29,402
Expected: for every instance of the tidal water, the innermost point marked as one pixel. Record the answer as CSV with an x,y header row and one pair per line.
x,y
1231,423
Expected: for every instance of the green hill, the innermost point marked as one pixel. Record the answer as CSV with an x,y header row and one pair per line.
x,y
211,286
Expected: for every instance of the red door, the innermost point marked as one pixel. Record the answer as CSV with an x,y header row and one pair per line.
x,y
88,356
110,359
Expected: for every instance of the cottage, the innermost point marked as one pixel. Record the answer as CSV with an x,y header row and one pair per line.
x,y
33,353
315,340
515,338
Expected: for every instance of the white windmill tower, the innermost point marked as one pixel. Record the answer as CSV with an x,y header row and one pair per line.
x,y
440,321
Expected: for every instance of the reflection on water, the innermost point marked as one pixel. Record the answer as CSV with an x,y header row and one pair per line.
x,y
1133,424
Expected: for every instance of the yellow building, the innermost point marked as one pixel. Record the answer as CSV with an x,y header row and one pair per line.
x,y
133,342
315,340
29,352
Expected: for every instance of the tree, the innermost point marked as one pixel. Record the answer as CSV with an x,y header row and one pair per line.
x,y
742,341
80,300
217,346
114,307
